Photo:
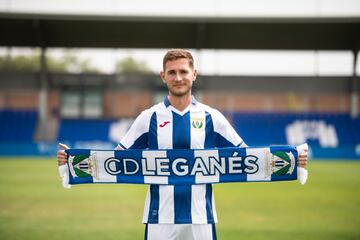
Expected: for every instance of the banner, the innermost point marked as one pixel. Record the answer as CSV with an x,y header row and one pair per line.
x,y
182,167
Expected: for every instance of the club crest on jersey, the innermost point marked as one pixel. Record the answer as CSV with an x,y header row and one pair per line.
x,y
280,163
198,123
83,165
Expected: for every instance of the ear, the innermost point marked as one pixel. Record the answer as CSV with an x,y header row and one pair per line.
x,y
194,75
162,75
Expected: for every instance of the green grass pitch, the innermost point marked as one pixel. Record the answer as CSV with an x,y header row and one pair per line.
x,y
33,205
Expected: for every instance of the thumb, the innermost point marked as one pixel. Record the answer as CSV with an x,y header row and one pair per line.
x,y
63,146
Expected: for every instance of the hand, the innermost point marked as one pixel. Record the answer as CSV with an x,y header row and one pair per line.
x,y
61,154
303,159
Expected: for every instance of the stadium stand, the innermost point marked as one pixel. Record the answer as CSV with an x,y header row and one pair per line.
x,y
84,130
17,125
330,135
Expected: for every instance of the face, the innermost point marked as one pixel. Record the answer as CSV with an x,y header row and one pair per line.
x,y
178,77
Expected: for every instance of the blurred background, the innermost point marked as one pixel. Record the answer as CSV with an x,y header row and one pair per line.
x,y
79,72
284,72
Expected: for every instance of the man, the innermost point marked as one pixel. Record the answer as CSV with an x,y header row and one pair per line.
x,y
180,122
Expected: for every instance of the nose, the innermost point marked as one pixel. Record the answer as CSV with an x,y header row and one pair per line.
x,y
178,77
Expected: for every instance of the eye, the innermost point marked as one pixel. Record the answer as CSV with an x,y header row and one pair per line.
x,y
184,71
171,72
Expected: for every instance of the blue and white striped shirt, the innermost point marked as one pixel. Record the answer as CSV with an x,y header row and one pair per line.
x,y
164,127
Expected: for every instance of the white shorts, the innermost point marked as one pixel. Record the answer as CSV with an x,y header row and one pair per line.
x,y
180,232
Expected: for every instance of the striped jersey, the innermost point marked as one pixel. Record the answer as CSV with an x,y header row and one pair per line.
x,y
164,127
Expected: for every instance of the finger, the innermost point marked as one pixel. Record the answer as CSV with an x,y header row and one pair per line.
x,y
302,163
61,153
61,162
63,146
62,158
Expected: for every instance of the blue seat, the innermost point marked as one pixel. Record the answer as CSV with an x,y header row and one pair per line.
x,y
270,128
84,130
17,125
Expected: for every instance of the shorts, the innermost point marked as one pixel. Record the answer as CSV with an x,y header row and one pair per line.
x,y
180,232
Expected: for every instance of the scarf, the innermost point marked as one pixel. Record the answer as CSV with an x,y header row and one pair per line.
x,y
183,166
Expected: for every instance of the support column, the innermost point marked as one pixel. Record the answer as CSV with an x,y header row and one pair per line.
x,y
43,94
354,89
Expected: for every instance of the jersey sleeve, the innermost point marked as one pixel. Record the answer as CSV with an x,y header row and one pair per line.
x,y
137,136
226,136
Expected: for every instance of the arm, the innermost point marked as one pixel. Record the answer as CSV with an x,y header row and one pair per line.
x,y
136,136
226,134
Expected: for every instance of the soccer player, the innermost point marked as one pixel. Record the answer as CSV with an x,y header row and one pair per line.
x,y
180,122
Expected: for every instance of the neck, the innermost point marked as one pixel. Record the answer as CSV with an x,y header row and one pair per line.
x,y
180,103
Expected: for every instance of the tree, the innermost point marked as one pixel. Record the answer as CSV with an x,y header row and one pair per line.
x,y
69,63
130,65
20,63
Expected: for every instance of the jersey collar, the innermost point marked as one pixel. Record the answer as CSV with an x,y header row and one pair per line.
x,y
167,102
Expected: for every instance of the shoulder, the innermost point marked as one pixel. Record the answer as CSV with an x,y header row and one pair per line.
x,y
147,113
210,110
139,127
219,121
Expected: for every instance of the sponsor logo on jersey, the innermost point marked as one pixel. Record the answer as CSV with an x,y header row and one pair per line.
x,y
164,124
